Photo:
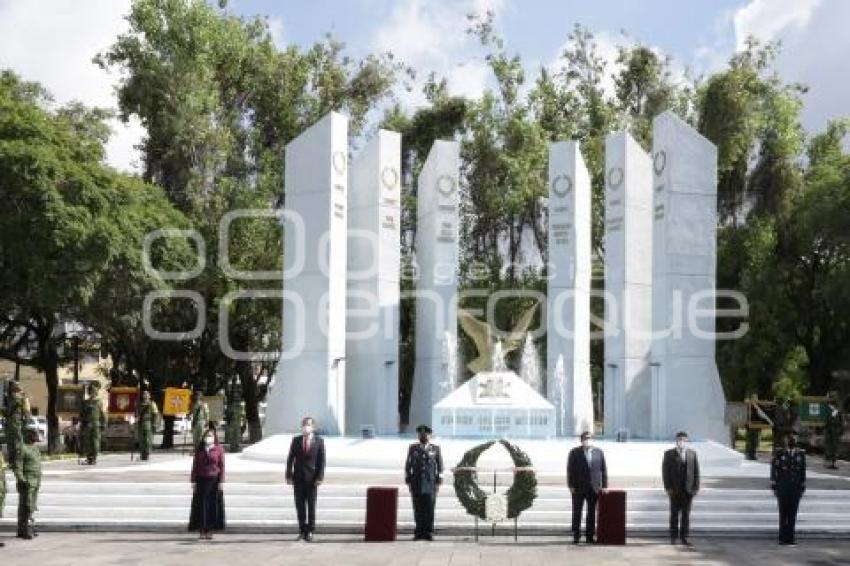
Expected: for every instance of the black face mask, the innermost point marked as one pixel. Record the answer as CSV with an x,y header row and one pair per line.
x,y
423,438
792,443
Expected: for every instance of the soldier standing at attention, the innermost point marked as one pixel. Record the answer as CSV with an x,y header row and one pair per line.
x,y
680,474
788,481
234,425
28,476
200,413
148,419
423,476
92,423
17,415
832,432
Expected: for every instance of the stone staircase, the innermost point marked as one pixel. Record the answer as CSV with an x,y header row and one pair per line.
x,y
266,507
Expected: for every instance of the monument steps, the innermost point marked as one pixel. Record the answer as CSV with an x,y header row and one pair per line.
x,y
158,506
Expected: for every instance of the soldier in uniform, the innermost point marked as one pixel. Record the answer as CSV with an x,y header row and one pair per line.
x,y
28,476
148,419
234,425
423,476
200,414
832,432
783,423
17,415
92,424
788,481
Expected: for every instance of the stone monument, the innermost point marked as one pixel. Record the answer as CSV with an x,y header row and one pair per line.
x,y
568,297
686,389
374,217
436,288
628,286
310,376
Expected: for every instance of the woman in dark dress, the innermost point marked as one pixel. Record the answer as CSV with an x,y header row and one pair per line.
x,y
207,513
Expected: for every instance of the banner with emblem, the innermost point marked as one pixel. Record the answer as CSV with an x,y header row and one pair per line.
x,y
69,400
176,401
123,400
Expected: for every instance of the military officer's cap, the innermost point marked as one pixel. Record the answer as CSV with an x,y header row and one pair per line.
x,y
424,428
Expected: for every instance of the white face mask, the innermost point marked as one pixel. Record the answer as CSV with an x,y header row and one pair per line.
x,y
585,443
680,444
307,429
209,441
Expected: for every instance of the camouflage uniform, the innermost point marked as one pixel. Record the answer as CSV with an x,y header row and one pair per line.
x,y
148,419
92,424
17,415
788,481
832,432
200,419
234,426
28,477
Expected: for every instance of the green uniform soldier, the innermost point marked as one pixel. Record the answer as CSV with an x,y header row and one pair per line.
x,y
17,415
28,476
200,415
92,424
832,432
423,475
788,481
234,426
148,420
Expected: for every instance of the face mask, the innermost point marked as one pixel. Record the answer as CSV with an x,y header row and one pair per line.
x,y
423,438
307,429
792,443
209,441
585,443
680,444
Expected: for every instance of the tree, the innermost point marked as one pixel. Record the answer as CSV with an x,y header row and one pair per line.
x,y
67,228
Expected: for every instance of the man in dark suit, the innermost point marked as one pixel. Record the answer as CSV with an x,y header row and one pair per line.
x,y
423,475
305,471
587,475
680,472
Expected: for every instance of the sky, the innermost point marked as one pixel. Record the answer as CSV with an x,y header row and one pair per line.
x,y
53,41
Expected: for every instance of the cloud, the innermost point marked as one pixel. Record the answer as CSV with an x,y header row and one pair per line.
x,y
815,45
431,37
53,42
765,19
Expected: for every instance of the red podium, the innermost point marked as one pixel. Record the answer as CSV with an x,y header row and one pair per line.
x,y
611,523
381,514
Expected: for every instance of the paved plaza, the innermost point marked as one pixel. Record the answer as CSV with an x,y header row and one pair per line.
x,y
94,549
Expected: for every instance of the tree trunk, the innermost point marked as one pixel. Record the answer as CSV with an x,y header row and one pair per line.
x,y
51,373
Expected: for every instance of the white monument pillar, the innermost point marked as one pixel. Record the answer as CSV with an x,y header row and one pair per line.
x,y
568,297
310,380
436,290
374,217
628,286
690,396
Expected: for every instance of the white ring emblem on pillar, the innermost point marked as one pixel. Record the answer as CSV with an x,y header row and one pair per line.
x,y
659,162
389,177
562,185
446,185
615,178
338,162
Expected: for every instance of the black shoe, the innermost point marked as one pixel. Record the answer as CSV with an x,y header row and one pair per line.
x,y
673,540
686,542
590,540
575,540
308,537
429,537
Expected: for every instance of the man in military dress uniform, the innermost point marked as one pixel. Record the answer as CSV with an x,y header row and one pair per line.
x,y
832,432
17,415
28,476
783,423
148,419
423,476
200,415
788,481
92,423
